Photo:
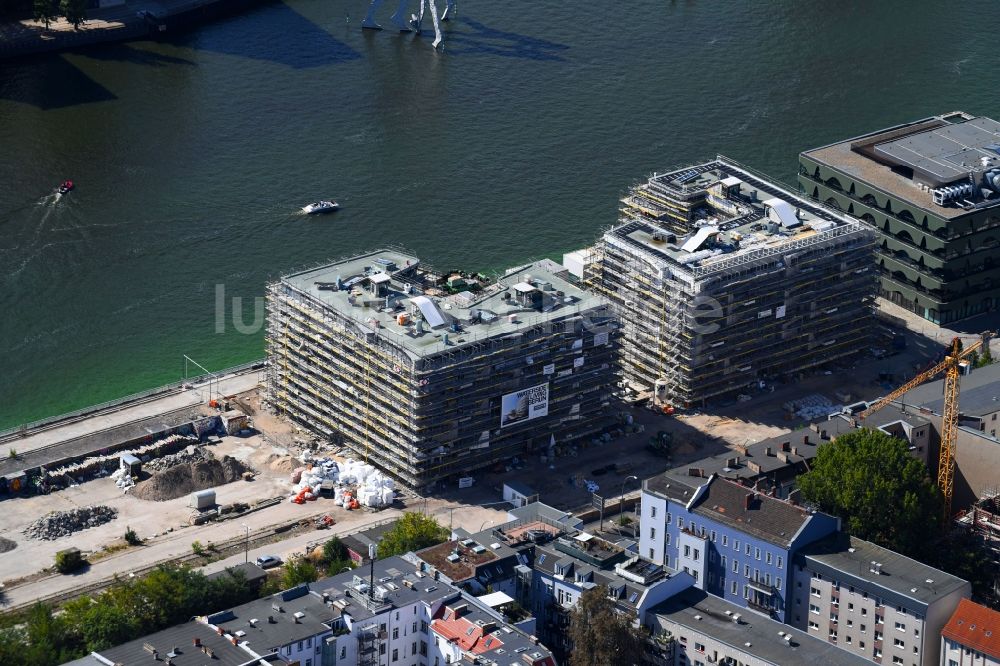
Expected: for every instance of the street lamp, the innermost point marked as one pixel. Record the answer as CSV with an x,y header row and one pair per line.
x,y
621,502
246,544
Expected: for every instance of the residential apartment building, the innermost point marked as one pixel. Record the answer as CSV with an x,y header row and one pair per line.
x,y
737,543
374,352
971,637
400,616
698,629
871,601
932,190
722,278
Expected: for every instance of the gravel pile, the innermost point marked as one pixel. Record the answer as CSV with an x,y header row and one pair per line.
x,y
63,523
192,454
6,545
187,478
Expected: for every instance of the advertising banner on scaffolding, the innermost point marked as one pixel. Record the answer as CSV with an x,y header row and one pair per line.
x,y
524,405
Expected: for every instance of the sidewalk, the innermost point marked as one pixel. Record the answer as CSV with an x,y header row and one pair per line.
x,y
102,25
196,395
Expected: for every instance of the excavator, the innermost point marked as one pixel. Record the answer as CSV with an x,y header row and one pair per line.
x,y
951,367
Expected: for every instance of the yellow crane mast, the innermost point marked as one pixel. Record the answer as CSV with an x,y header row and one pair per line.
x,y
951,366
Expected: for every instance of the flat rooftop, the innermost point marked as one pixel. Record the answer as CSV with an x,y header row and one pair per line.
x,y
851,558
908,160
522,298
735,214
756,635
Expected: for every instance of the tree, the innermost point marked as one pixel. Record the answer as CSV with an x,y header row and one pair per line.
x,y
600,635
881,492
413,531
45,11
298,570
336,557
99,625
75,11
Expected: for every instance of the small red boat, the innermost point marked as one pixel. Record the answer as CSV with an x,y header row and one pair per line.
x,y
65,186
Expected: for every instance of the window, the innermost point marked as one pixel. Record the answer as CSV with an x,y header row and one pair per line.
x,y
343,652
300,646
723,561
814,609
746,570
413,649
687,550
423,627
736,544
669,519
952,662
696,554
850,606
898,643
713,536
878,635
736,566
813,626
309,662
864,611
423,648
900,626
413,629
666,538
651,554
725,540
395,633
767,557
699,647
897,660
833,634
652,532
863,628
878,653
756,553
652,511
309,642
779,561
847,639
735,589
395,654
850,623
777,584
815,591
748,550
861,645
680,522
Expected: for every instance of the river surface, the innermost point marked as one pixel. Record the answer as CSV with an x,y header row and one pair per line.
x,y
513,142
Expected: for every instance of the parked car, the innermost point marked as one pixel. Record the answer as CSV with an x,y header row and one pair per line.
x,y
268,561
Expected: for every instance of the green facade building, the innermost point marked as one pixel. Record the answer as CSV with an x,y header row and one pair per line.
x,y
932,189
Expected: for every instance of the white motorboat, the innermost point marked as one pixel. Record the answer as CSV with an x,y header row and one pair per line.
x,y
320,207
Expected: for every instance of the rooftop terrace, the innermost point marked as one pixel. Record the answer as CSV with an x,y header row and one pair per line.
x,y
383,291
734,215
911,160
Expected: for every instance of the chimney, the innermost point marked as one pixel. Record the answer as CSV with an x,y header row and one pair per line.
x,y
785,446
748,501
694,471
793,497
823,435
233,640
795,450
219,631
270,619
805,439
767,451
196,642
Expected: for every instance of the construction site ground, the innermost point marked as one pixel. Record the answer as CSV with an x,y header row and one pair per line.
x,y
167,534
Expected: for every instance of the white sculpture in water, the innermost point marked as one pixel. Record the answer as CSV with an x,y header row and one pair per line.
x,y
416,20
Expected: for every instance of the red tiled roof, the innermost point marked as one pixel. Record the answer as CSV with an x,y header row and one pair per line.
x,y
976,627
468,635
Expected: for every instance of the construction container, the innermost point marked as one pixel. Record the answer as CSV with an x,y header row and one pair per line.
x,y
129,462
234,421
203,499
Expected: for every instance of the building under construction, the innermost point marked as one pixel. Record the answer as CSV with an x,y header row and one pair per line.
x,y
723,279
428,377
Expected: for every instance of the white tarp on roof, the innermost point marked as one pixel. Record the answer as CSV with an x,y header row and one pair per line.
x,y
495,599
584,536
379,278
730,181
784,211
429,309
699,238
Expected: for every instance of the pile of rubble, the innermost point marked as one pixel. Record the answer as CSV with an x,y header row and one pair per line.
x,y
192,454
63,523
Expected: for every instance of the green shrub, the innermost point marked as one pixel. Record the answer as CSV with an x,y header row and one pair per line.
x,y
131,538
69,560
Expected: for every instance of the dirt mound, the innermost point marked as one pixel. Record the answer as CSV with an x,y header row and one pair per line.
x,y
187,478
6,545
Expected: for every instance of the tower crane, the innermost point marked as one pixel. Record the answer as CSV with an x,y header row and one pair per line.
x,y
949,418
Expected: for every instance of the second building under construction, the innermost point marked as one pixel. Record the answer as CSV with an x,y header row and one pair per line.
x,y
723,279
428,378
